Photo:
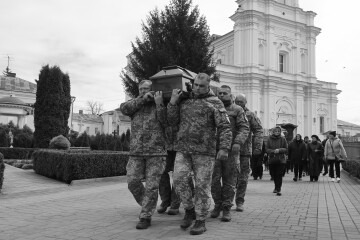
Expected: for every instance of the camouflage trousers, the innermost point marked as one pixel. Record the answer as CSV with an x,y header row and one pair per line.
x,y
149,168
225,172
202,167
242,180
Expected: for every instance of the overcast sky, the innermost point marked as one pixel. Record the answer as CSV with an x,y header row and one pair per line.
x,y
90,39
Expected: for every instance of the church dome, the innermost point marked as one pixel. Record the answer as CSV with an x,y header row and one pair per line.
x,y
12,100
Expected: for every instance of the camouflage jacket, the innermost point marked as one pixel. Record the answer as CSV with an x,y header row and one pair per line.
x,y
239,124
255,137
199,118
147,127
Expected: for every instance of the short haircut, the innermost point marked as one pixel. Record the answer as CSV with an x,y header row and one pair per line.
x,y
226,86
145,81
203,76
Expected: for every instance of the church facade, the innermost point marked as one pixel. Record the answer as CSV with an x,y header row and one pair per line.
x,y
270,57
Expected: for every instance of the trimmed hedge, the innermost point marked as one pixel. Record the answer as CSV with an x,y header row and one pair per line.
x,y
352,167
74,165
2,169
17,153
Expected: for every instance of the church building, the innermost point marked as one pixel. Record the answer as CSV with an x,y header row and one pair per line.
x,y
270,57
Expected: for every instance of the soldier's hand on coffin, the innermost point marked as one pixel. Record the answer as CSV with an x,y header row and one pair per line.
x,y
159,98
256,152
222,155
175,96
148,96
235,149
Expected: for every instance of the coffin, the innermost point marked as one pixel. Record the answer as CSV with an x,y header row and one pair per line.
x,y
172,77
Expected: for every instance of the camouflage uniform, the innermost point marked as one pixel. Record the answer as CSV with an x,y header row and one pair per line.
x,y
147,151
198,118
254,141
225,171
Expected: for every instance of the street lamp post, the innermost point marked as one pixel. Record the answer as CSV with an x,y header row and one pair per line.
x,y
72,111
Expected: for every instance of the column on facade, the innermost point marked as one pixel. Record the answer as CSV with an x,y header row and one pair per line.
x,y
253,97
237,44
311,41
269,104
310,110
299,101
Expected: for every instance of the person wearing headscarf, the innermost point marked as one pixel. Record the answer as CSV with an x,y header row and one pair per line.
x,y
276,148
297,156
314,157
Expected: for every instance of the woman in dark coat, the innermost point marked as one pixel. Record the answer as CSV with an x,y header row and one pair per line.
x,y
276,148
315,153
297,155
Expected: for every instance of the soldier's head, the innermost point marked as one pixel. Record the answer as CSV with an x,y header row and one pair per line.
x,y
201,84
224,93
241,100
144,87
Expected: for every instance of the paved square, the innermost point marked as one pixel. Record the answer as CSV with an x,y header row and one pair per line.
x,y
35,207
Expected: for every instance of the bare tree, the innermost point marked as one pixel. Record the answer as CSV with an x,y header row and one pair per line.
x,y
94,107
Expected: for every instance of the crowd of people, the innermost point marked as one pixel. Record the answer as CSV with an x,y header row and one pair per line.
x,y
210,142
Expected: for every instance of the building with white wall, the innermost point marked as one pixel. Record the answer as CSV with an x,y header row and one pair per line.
x,y
17,97
270,56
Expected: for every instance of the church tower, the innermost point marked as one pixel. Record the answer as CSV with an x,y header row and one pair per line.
x,y
270,56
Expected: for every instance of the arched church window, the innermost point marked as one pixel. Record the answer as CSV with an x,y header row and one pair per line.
x,y
261,55
303,63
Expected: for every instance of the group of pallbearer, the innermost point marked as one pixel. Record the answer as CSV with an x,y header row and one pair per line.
x,y
207,141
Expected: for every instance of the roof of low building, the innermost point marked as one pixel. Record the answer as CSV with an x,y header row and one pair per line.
x,y
16,84
87,118
344,123
12,100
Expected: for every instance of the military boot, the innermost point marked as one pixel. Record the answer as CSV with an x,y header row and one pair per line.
x,y
216,211
226,217
144,223
240,207
190,215
198,228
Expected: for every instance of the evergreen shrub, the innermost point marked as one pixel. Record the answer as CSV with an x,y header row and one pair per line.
x,y
2,169
352,167
73,165
59,142
17,153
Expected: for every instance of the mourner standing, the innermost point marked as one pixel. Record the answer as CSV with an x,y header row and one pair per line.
x,y
199,117
314,156
252,146
297,154
334,152
276,148
147,149
225,172
325,162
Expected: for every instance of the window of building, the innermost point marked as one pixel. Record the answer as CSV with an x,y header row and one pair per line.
x,y
96,130
322,124
261,55
281,62
347,134
87,129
